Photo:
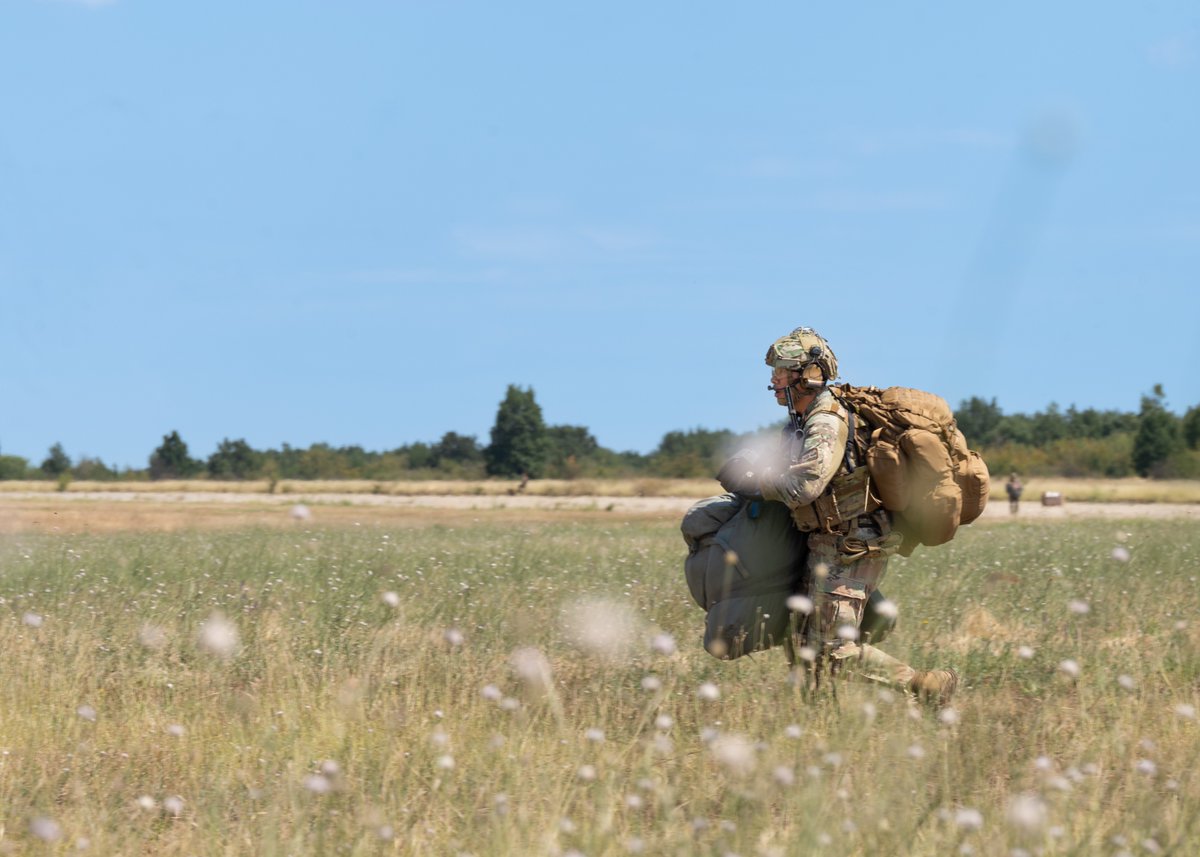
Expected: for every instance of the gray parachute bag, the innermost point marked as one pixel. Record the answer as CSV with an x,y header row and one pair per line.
x,y
746,599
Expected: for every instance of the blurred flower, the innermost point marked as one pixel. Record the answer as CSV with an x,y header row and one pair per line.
x,y
1078,607
391,599
1120,554
596,736
317,784
734,752
664,644
794,731
45,828
1027,813
147,803
1069,668
300,512
219,636
175,730
446,763
587,773
916,751
173,805
663,722
531,667
784,775
651,682
887,609
152,636
602,626
968,818
708,691
800,604
87,713
33,620
1126,682
948,717
453,637
490,691
1186,711
1147,767
847,632
1025,652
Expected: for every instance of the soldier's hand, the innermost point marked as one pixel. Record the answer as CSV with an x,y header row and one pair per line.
x,y
739,475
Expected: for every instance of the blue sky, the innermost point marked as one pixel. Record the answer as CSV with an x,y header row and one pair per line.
x,y
357,223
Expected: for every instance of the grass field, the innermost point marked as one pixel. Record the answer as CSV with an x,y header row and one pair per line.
x,y
477,685
1132,490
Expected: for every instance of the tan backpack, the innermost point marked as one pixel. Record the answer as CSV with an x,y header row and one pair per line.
x,y
920,466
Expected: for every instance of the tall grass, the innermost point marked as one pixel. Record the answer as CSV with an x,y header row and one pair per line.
x,y
540,690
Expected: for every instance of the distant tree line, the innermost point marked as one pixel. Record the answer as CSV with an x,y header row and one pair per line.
x,y
1153,442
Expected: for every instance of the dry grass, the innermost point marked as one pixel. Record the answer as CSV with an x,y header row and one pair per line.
x,y
647,487
1130,490
372,693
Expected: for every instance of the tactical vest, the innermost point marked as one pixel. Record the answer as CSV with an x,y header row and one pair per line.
x,y
848,495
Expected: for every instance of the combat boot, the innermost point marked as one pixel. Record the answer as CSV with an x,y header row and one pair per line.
x,y
934,686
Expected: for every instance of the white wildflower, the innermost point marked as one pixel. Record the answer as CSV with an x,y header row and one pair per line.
x,y
391,599
1069,668
801,604
1028,813
968,818
45,829
664,644
709,691
219,636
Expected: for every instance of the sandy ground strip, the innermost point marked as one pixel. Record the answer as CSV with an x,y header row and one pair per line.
x,y
114,511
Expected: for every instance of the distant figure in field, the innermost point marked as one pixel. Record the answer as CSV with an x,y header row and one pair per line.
x,y
1014,488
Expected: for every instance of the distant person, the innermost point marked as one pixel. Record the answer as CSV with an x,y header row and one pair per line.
x,y
1013,488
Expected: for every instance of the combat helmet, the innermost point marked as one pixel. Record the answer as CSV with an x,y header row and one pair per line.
x,y
807,351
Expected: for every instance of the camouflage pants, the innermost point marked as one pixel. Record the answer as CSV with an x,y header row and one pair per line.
x,y
844,569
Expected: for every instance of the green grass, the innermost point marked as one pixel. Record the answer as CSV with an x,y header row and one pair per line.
x,y
345,725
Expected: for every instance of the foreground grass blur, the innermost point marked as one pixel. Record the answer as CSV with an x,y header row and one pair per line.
x,y
477,689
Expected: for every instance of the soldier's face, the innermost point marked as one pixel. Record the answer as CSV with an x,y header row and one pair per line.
x,y
780,380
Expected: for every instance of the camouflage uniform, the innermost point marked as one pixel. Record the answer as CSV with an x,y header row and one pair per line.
x,y
847,558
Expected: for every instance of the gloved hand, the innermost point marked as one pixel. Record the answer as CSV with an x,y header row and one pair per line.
x,y
739,475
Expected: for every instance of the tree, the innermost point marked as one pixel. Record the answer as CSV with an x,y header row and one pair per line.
x,y
455,447
1157,435
567,447
1191,427
234,459
171,459
57,462
979,420
518,446
13,467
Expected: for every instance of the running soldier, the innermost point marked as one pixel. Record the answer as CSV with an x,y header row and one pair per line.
x,y
824,481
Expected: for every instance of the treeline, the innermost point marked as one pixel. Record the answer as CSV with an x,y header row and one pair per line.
x,y
1153,442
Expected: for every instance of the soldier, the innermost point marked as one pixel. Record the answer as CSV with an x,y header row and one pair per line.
x,y
1013,488
823,479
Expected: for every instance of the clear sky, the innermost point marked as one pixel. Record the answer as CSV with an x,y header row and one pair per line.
x,y
358,222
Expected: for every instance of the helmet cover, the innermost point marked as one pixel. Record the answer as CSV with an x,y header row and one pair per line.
x,y
803,348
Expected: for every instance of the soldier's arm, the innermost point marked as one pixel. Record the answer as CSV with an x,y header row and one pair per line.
x,y
820,457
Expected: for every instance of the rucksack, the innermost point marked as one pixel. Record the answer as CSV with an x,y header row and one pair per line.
x,y
920,466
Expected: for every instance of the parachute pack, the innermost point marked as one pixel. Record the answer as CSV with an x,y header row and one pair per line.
x,y
745,559
920,466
